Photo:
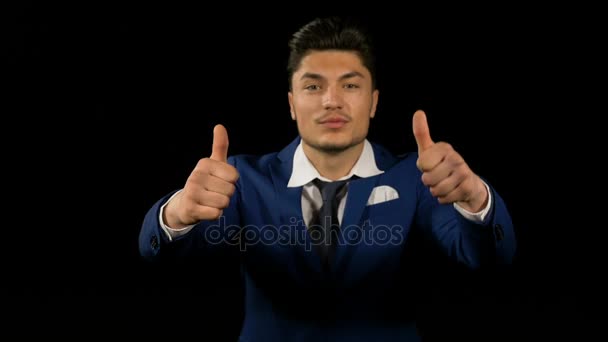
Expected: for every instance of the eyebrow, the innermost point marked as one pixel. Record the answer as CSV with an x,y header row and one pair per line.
x,y
343,77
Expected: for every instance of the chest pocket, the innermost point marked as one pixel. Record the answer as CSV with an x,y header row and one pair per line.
x,y
388,208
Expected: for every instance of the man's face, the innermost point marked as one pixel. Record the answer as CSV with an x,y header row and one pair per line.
x,y
332,100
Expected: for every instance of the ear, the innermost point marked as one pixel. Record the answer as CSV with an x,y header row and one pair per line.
x,y
291,109
372,112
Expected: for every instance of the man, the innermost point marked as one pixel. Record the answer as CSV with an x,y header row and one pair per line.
x,y
324,226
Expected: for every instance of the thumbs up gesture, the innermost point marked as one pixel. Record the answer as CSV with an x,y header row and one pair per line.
x,y
445,172
208,188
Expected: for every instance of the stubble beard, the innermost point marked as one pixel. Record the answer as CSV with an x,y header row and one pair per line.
x,y
332,149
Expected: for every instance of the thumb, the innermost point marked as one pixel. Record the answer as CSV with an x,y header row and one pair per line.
x,y
220,144
421,131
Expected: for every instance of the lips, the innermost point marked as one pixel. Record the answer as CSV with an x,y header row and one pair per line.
x,y
334,122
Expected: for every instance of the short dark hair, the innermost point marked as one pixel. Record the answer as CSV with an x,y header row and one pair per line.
x,y
332,33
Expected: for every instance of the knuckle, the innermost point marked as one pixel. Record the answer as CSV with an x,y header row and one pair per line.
x,y
215,213
461,175
196,181
203,164
445,146
191,211
426,179
231,190
419,165
235,175
460,194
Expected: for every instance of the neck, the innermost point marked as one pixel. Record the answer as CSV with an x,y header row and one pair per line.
x,y
333,165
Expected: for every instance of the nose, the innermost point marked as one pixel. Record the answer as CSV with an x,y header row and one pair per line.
x,y
332,99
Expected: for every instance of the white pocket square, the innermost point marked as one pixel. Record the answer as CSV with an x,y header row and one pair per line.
x,y
381,194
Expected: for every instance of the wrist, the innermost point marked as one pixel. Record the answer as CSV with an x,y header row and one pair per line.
x,y
170,217
478,199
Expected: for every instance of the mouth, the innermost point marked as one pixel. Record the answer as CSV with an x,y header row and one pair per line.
x,y
334,122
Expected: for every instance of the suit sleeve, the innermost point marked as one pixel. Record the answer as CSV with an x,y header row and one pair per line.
x,y
204,238
491,242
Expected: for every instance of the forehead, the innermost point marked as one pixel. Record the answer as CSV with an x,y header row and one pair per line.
x,y
331,63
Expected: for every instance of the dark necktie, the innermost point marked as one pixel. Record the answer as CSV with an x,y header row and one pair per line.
x,y
326,223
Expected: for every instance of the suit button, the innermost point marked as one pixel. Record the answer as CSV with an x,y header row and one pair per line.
x,y
154,242
500,233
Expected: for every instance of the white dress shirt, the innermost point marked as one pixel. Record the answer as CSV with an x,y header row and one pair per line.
x,y
303,175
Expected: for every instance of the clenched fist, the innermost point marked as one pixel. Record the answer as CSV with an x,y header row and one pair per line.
x,y
445,172
208,188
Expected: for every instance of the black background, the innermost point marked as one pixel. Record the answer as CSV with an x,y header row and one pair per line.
x,y
110,106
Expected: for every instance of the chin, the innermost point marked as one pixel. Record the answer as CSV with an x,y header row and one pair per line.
x,y
332,147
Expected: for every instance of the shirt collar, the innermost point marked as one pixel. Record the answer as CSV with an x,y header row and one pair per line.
x,y
304,172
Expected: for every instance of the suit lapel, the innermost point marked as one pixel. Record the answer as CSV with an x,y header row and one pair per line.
x,y
288,200
358,193
289,204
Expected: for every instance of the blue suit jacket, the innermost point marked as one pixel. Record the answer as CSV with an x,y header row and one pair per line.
x,y
364,296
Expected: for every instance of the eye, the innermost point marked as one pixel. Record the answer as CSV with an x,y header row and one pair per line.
x,y
312,87
351,86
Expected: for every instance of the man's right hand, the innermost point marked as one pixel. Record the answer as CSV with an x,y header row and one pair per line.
x,y
208,188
